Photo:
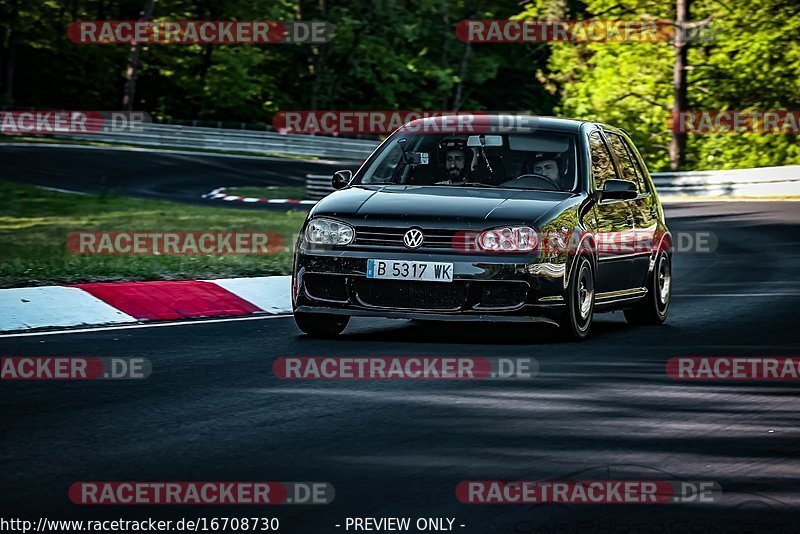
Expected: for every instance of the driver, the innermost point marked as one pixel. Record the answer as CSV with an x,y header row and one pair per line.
x,y
547,167
456,157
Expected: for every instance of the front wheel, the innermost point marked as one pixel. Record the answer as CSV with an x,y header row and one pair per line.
x,y
653,309
577,322
321,324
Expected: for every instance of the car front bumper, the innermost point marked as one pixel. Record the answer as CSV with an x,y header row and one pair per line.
x,y
497,287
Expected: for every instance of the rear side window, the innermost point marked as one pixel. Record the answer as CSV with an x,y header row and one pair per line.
x,y
602,166
629,167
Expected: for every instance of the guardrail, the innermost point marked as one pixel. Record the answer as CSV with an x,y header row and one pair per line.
x,y
229,140
761,182
318,186
765,181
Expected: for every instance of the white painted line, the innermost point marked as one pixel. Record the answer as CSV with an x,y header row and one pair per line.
x,y
270,293
57,190
38,307
146,325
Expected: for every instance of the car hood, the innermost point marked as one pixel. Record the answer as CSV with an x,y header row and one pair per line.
x,y
446,206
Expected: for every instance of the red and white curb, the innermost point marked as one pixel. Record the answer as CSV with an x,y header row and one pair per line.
x,y
220,194
110,303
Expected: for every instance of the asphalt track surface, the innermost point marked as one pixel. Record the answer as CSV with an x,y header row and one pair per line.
x,y
603,409
181,177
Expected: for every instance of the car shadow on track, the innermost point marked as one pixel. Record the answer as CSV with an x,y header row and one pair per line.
x,y
471,333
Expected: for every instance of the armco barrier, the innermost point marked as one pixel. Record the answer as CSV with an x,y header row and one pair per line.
x,y
761,182
318,186
228,140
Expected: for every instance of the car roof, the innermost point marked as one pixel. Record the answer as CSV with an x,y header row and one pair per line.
x,y
512,121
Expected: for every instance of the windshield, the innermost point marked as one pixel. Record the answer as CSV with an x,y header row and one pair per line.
x,y
541,160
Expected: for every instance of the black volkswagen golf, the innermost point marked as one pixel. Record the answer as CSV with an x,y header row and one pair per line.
x,y
546,220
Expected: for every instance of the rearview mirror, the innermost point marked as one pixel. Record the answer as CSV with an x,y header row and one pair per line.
x,y
619,190
341,179
485,140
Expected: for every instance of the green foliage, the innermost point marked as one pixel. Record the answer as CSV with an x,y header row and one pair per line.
x,y
395,54
752,63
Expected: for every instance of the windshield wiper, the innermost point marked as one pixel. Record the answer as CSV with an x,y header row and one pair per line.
x,y
477,184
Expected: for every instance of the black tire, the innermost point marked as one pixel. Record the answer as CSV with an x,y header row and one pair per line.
x,y
576,324
654,308
321,324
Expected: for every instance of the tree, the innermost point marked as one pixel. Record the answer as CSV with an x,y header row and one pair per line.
x,y
750,62
133,62
677,147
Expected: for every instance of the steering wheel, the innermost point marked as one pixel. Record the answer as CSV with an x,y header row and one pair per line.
x,y
535,176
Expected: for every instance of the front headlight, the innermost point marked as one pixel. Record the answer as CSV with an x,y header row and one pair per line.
x,y
508,239
329,232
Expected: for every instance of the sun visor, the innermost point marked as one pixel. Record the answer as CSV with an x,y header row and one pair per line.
x,y
535,143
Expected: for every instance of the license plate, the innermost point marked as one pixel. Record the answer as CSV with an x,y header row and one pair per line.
x,y
428,271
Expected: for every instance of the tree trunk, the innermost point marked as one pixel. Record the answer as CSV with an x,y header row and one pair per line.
x,y
133,63
677,147
458,100
316,81
446,35
316,63
8,94
8,53
205,67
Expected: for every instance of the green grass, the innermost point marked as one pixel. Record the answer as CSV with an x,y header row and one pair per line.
x,y
35,223
291,192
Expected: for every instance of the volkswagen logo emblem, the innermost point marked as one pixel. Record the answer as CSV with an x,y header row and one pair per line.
x,y
413,238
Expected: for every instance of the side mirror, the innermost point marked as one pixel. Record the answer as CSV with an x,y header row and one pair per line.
x,y
619,190
340,179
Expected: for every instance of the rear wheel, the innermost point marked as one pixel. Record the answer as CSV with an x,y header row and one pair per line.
x,y
577,322
654,308
320,324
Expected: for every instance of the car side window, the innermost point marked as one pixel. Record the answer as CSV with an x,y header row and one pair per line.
x,y
602,166
628,166
643,186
